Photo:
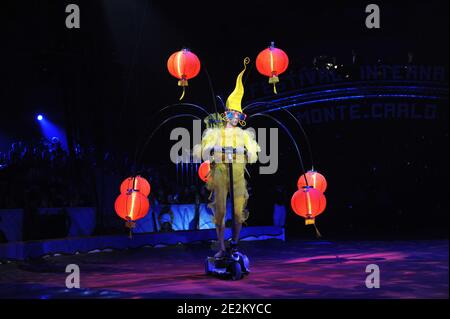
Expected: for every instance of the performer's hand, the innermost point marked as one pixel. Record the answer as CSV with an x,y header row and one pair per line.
x,y
251,158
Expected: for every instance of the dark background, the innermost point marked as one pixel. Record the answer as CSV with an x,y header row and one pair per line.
x,y
105,82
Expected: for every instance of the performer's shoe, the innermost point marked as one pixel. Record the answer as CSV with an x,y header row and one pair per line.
x,y
233,246
220,254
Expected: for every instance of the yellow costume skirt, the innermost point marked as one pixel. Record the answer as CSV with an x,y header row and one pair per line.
x,y
219,184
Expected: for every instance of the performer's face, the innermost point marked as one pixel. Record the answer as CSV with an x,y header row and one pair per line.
x,y
234,121
234,117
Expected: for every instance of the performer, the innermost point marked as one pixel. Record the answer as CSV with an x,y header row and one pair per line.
x,y
225,135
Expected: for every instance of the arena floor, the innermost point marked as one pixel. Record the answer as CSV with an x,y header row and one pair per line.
x,y
292,269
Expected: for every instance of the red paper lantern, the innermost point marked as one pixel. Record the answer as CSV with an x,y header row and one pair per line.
x,y
131,206
308,203
137,183
183,65
203,171
272,62
315,180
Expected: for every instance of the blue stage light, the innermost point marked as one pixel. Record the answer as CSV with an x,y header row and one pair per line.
x,y
51,131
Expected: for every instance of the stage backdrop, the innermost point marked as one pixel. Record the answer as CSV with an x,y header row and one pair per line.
x,y
80,221
180,217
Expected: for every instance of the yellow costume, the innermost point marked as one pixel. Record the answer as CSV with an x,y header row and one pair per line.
x,y
217,138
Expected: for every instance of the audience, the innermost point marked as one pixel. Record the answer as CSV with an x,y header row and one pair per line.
x,y
43,173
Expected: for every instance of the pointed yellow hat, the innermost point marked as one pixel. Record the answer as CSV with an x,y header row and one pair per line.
x,y
235,99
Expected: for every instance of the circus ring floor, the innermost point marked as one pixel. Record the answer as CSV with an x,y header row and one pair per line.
x,y
291,269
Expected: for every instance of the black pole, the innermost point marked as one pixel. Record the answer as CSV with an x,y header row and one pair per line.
x,y
230,172
211,88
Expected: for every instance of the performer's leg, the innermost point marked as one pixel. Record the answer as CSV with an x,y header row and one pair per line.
x,y
220,205
239,205
236,231
240,201
220,230
220,225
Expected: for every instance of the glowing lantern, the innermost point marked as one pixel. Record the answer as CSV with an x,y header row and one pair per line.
x,y
272,62
203,171
183,65
137,183
315,180
131,206
308,203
